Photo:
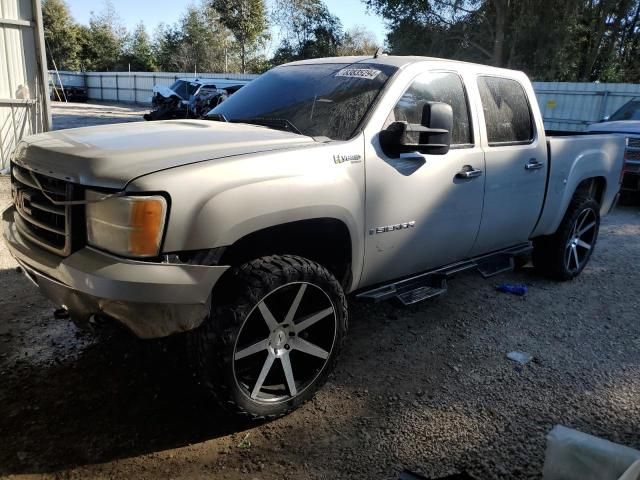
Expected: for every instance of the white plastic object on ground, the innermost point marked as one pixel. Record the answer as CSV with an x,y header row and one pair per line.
x,y
521,357
573,455
632,473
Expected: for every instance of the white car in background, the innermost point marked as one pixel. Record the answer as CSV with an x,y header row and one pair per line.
x,y
626,120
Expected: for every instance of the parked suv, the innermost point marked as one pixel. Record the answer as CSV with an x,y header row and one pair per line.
x,y
378,177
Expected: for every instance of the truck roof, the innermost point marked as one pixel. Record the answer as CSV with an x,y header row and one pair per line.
x,y
397,61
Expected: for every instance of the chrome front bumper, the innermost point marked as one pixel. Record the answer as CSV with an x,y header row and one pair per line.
x,y
151,299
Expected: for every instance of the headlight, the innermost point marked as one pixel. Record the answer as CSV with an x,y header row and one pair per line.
x,y
129,226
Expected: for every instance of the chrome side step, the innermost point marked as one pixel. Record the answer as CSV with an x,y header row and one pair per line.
x,y
434,283
494,266
422,293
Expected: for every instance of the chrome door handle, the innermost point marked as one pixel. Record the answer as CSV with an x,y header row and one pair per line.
x,y
533,165
468,172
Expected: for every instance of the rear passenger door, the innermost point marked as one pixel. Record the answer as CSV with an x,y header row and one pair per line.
x,y
515,165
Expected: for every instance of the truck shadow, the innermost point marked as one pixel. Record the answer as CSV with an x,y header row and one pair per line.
x,y
68,400
119,397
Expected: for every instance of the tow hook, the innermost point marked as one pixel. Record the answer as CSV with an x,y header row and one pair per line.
x,y
61,313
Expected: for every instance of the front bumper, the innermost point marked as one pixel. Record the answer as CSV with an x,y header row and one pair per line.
x,y
630,181
151,299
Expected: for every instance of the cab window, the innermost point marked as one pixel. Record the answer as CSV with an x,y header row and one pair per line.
x,y
444,87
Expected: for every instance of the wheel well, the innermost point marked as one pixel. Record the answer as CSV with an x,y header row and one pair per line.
x,y
593,187
323,240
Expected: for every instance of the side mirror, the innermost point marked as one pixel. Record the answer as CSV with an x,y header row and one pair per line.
x,y
432,135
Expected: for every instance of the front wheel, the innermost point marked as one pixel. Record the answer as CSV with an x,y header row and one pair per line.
x,y
276,337
564,254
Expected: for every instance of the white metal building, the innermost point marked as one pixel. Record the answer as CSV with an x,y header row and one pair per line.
x,y
24,99
574,105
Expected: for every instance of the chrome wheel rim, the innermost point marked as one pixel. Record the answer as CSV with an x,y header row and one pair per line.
x,y
581,240
284,343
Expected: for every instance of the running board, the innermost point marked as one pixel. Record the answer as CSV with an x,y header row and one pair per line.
x,y
434,283
496,265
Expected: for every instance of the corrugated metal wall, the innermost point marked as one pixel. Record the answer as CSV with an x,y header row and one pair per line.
x,y
572,106
23,93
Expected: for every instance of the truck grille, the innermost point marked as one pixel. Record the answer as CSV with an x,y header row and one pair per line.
x,y
39,219
632,153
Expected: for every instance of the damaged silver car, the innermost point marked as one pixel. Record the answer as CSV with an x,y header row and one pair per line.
x,y
189,98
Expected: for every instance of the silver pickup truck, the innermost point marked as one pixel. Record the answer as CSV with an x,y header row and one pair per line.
x,y
382,177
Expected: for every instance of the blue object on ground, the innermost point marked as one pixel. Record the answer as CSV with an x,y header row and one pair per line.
x,y
516,289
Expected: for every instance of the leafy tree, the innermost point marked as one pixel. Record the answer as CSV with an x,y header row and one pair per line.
x,y
104,40
61,35
579,40
138,53
165,45
308,28
246,19
198,42
358,41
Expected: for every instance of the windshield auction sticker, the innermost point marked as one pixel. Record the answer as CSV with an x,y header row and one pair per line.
x,y
367,73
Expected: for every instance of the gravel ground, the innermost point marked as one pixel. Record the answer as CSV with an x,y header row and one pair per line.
x,y
426,388
72,115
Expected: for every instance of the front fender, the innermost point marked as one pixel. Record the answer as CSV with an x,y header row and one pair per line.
x,y
215,204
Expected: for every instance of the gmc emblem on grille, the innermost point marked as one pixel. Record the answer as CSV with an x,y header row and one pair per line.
x,y
21,199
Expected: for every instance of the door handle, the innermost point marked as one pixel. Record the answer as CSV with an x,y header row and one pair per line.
x,y
533,165
468,172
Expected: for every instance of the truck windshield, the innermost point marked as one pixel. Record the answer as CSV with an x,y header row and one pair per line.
x,y
629,111
184,89
318,100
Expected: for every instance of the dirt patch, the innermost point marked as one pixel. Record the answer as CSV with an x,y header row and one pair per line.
x,y
72,115
426,388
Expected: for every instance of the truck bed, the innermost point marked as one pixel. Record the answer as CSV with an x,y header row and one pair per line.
x,y
573,157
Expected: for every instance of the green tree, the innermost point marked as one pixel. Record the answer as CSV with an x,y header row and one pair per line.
x,y
203,43
138,52
104,40
165,45
308,30
358,41
61,35
572,40
247,21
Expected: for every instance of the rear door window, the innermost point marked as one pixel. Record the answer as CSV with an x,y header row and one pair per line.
x,y
506,111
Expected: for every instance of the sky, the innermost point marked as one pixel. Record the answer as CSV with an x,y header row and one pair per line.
x,y
152,12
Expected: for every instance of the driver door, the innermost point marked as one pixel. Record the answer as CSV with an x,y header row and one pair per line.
x,y
419,213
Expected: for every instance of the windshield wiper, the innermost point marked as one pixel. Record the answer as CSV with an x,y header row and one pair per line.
x,y
277,123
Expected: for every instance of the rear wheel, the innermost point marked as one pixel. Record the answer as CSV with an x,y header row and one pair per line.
x,y
276,338
564,254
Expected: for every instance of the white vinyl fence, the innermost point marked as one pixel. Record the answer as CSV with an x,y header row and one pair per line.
x,y
136,87
564,105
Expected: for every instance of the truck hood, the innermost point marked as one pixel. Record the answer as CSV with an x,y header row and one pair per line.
x,y
110,156
620,126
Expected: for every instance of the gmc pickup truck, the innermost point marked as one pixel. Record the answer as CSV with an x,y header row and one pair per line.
x,y
380,177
